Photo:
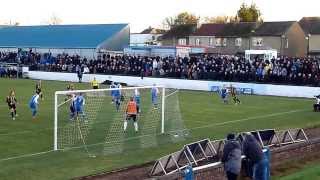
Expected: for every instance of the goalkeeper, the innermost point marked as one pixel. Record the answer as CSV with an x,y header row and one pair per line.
x,y
131,113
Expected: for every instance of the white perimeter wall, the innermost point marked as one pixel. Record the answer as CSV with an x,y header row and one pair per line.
x,y
259,89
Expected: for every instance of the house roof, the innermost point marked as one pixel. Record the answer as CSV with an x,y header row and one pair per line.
x,y
310,25
151,30
58,36
273,28
229,29
180,31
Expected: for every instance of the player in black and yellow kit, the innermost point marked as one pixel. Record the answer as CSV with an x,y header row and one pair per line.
x,y
70,87
95,83
233,93
39,89
12,104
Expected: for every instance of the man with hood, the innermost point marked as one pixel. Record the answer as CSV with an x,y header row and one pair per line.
x,y
232,157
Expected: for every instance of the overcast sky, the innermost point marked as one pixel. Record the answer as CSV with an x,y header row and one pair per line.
x,y
143,13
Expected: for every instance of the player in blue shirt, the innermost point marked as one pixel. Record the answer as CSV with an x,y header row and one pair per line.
x,y
79,103
154,96
72,107
224,94
117,96
33,104
137,99
113,92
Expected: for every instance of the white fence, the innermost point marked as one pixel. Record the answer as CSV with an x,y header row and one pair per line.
x,y
259,89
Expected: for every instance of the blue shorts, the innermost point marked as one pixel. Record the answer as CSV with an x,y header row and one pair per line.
x,y
79,110
137,99
33,106
154,99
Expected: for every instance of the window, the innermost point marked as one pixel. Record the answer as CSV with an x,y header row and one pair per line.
x,y
210,41
224,41
238,42
197,42
257,41
218,41
182,41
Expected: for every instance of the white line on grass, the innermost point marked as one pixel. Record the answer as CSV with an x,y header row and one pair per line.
x,y
26,155
247,119
172,93
199,127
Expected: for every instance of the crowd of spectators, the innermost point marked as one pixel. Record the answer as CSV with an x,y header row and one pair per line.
x,y
283,70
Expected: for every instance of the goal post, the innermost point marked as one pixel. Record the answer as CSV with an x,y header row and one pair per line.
x,y
101,116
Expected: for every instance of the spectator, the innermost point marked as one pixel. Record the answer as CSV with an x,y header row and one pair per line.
x,y
79,72
253,152
316,106
283,70
232,157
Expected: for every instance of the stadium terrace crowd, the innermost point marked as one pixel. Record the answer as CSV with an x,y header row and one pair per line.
x,y
283,70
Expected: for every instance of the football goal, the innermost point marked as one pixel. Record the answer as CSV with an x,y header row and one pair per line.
x,y
96,118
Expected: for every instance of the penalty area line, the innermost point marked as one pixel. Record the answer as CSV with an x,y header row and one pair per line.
x,y
246,119
26,155
146,135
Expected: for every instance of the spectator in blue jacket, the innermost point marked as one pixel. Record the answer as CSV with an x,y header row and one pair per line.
x,y
231,157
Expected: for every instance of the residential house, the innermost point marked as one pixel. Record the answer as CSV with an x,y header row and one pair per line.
x,y
287,37
230,38
311,28
149,36
178,35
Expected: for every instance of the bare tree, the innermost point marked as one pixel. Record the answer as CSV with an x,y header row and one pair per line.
x,y
54,20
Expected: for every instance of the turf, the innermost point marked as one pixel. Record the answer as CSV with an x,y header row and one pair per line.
x,y
203,114
311,171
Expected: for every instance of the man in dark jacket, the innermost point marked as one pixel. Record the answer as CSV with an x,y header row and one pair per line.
x,y
253,152
232,157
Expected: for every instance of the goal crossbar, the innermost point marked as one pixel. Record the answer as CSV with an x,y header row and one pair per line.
x,y
107,89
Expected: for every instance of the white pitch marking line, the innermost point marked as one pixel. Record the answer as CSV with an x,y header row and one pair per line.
x,y
246,119
199,127
172,93
26,155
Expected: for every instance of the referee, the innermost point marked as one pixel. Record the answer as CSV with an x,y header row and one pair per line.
x,y
95,83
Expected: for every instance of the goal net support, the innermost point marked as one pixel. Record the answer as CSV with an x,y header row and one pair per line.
x,y
99,119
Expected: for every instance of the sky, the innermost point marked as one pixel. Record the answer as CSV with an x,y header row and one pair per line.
x,y
141,14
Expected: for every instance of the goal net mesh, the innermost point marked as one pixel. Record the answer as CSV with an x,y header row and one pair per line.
x,y
99,128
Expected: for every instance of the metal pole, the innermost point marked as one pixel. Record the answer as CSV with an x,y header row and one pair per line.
x,y
162,109
55,135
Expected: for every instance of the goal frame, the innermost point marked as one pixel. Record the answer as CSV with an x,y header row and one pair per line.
x,y
55,132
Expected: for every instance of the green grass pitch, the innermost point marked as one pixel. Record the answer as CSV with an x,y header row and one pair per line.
x,y
203,114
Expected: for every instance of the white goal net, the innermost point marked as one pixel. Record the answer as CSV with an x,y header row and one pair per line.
x,y
95,119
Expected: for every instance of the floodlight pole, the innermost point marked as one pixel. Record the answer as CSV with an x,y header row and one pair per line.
x,y
162,109
55,135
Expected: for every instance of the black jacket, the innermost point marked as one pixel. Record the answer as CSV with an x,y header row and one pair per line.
x,y
252,149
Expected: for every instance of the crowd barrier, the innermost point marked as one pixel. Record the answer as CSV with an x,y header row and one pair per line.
x,y
245,88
